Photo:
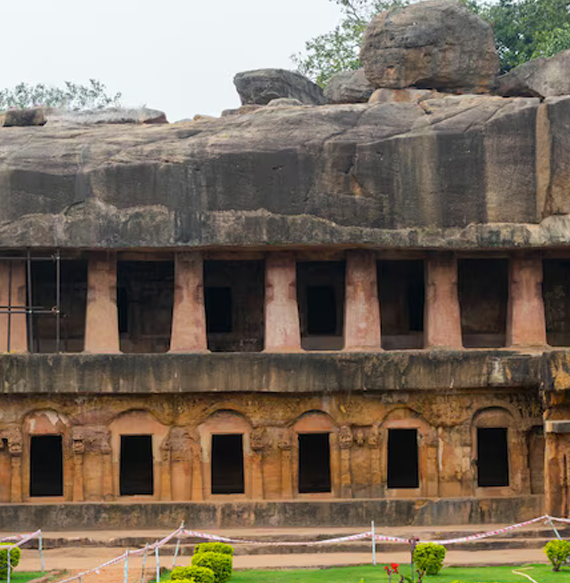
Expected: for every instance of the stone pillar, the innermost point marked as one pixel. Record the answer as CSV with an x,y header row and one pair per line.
x,y
282,330
557,468
287,489
14,297
375,465
189,314
197,478
442,315
165,480
345,444
101,323
362,309
15,449
526,324
258,442
78,452
107,477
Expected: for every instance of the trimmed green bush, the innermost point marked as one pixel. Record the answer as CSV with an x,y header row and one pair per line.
x,y
557,552
15,555
429,558
181,580
223,548
194,574
219,563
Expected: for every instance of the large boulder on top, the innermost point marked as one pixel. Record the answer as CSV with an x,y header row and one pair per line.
x,y
349,87
263,85
430,45
545,77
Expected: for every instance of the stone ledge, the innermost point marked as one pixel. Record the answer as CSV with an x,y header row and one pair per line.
x,y
268,373
332,513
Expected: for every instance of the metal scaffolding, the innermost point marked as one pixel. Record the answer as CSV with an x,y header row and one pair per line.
x,y
29,309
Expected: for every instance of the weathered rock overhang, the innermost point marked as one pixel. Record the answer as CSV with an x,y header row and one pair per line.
x,y
269,373
464,172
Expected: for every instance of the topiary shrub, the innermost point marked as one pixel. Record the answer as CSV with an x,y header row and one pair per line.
x,y
557,552
194,574
15,554
219,563
429,558
223,548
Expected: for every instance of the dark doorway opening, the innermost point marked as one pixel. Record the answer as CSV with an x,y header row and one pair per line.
x,y
227,464
556,292
483,286
314,463
492,457
136,466
218,302
320,293
46,465
401,291
403,458
234,298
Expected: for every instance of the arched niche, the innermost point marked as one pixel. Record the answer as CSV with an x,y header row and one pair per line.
x,y
137,439
409,456
499,452
225,440
312,474
47,464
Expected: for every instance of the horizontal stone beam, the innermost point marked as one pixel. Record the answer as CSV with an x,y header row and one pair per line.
x,y
267,373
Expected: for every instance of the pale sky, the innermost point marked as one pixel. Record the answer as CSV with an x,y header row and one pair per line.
x,y
179,56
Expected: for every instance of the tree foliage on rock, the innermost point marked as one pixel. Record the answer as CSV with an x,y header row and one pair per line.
x,y
72,96
524,29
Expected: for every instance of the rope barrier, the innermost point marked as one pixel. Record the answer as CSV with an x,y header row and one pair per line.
x,y
184,533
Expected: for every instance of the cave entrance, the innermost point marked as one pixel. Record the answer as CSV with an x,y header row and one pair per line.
x,y
136,466
227,464
320,293
46,465
314,463
492,457
483,286
403,458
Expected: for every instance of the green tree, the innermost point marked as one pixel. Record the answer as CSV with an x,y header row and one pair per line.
x,y
524,29
72,96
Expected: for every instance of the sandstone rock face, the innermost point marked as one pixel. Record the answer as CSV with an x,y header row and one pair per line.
x,y
403,95
23,117
431,45
349,87
456,172
111,115
538,78
263,85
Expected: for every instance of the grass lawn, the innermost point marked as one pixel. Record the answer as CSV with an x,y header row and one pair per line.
x,y
21,577
369,574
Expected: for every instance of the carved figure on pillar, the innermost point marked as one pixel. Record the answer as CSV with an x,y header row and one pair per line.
x,y
258,441
286,446
78,452
345,439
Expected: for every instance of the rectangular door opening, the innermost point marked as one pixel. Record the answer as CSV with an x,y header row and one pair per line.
x,y
46,465
227,464
314,463
403,458
136,466
492,457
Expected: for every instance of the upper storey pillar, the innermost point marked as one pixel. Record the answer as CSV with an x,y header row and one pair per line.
x,y
102,323
362,309
526,324
442,313
189,315
282,330
13,332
